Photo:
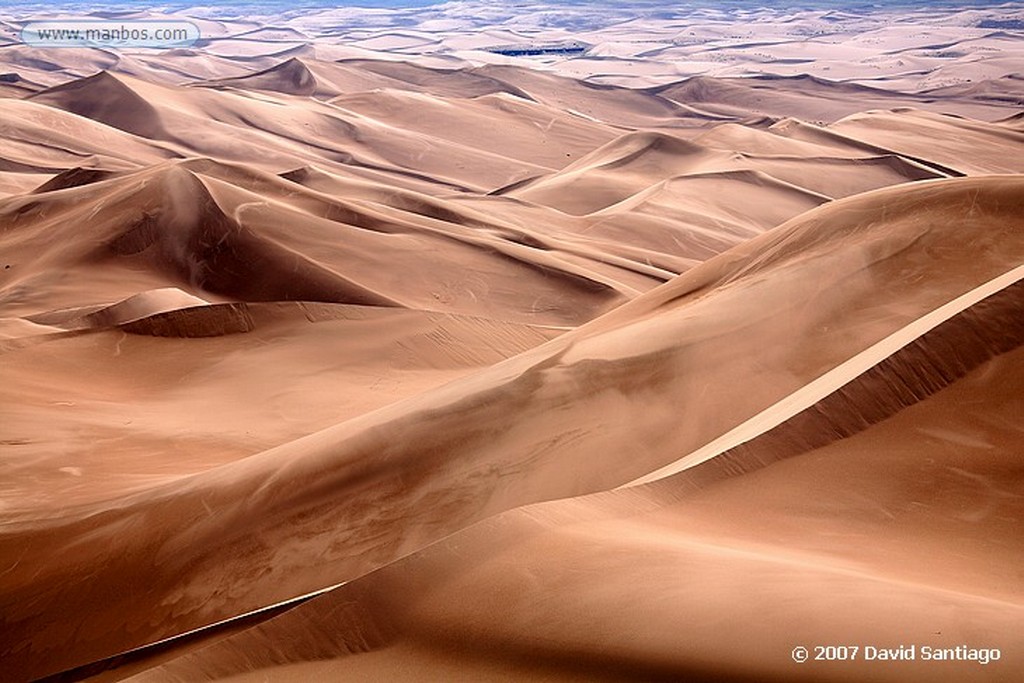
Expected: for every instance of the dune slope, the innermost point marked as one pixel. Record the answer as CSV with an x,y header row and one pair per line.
x,y
459,342
345,502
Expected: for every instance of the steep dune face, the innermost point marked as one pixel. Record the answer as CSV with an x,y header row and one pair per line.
x,y
200,244
685,215
284,243
182,121
616,171
1009,89
221,382
13,85
532,133
47,140
106,99
804,96
448,458
821,165
290,77
616,106
73,177
142,305
963,145
635,583
164,223
441,81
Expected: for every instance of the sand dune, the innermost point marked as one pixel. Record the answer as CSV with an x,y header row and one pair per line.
x,y
563,137
951,140
637,161
604,358
290,77
461,343
708,226
105,99
573,579
815,99
42,140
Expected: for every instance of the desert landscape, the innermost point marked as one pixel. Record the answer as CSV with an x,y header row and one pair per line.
x,y
470,341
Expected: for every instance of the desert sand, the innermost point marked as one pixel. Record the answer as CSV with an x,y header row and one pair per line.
x,y
492,343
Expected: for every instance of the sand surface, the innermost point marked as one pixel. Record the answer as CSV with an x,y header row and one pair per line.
x,y
462,342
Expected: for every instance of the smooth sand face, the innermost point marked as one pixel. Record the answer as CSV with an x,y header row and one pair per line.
x,y
649,362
